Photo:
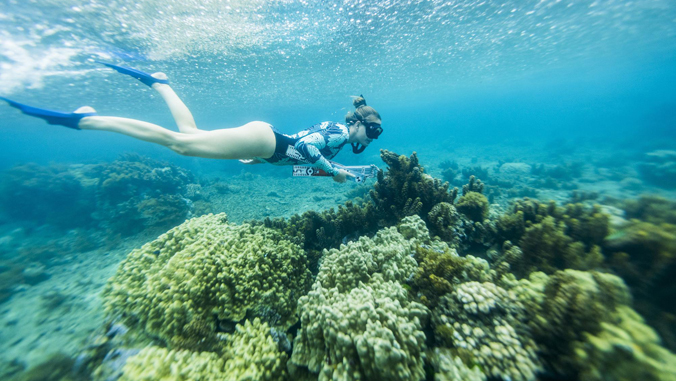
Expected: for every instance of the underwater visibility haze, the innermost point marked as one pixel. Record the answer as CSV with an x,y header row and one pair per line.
x,y
522,226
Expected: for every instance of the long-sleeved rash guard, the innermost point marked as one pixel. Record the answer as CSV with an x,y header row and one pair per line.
x,y
315,146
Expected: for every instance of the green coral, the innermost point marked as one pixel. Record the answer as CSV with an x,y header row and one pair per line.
x,y
358,321
644,255
625,349
448,367
483,323
440,269
403,190
551,238
651,208
319,231
584,327
406,189
474,205
547,248
588,225
206,270
473,185
387,253
369,332
250,354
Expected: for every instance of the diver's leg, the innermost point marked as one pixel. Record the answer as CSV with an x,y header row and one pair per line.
x,y
180,112
131,127
254,139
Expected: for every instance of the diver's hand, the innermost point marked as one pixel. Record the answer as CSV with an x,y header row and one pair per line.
x,y
342,176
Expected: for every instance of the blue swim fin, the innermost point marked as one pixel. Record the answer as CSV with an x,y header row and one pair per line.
x,y
68,119
146,78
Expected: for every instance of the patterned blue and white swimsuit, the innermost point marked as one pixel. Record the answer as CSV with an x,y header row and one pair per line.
x,y
315,146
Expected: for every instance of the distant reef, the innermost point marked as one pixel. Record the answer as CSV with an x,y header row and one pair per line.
x,y
124,196
416,281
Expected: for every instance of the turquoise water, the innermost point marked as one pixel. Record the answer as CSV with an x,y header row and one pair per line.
x,y
479,83
466,69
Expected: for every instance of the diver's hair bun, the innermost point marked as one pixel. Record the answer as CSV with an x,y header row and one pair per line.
x,y
359,101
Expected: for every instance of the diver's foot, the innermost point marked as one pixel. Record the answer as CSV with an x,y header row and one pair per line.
x,y
161,76
85,110
162,80
147,79
67,119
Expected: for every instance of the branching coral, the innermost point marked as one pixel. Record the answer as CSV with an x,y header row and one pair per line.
x,y
406,189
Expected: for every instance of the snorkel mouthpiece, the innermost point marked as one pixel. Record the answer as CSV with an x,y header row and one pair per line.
x,y
357,149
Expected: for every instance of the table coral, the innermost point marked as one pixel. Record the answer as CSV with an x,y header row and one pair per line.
x,y
206,270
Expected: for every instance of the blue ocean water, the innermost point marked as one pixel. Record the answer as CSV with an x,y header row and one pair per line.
x,y
477,82
472,70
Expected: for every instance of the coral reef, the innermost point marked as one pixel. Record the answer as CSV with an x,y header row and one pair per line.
x,y
369,332
474,205
659,168
134,193
441,269
551,237
559,176
644,255
319,231
407,190
583,326
250,354
205,272
448,367
484,324
46,195
358,321
476,171
125,196
448,224
650,208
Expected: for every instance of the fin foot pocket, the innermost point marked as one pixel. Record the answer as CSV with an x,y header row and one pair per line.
x,y
144,77
67,119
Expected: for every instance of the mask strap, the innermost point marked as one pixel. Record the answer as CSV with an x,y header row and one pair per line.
x,y
357,149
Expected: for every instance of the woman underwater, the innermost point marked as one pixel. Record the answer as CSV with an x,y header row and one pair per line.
x,y
253,143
